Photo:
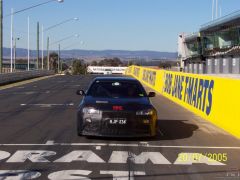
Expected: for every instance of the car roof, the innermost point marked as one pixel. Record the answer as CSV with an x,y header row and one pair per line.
x,y
115,79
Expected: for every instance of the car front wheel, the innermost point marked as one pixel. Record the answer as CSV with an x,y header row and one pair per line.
x,y
79,129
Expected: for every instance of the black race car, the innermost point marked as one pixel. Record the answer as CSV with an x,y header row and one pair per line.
x,y
116,107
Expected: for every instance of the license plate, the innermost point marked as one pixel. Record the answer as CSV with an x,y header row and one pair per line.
x,y
118,121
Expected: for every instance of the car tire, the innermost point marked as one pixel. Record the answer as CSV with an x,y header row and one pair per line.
x,y
156,131
79,129
79,133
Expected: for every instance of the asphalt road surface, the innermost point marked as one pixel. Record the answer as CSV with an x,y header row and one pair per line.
x,y
38,140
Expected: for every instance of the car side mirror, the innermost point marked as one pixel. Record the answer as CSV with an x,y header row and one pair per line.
x,y
151,94
80,93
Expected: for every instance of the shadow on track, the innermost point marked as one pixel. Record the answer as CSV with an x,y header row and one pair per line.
x,y
175,129
167,130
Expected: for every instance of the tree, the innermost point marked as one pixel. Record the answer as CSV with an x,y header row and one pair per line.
x,y
53,64
78,67
168,64
111,62
94,63
130,63
64,66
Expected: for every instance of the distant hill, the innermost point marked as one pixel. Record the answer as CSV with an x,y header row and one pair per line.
x,y
77,53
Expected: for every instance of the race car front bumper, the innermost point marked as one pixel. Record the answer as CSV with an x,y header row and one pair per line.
x,y
120,125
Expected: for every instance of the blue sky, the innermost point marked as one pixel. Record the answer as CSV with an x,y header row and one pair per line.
x,y
113,24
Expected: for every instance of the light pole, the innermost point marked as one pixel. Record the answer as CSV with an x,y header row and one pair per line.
x,y
37,45
63,22
42,46
48,58
66,38
49,28
81,42
48,45
22,10
28,43
15,51
11,41
34,6
73,44
1,35
59,49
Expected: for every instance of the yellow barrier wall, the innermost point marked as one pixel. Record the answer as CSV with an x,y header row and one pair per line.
x,y
213,98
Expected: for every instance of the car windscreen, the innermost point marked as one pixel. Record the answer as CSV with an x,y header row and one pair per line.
x,y
116,89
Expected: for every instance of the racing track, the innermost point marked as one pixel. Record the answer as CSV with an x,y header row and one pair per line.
x,y
41,116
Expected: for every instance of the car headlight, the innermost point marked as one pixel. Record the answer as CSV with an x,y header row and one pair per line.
x,y
146,112
91,111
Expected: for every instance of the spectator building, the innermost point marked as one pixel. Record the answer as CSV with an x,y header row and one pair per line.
x,y
215,49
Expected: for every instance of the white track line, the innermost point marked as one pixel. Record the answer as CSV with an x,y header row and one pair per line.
x,y
124,145
47,105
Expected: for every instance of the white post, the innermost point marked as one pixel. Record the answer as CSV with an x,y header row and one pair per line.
x,y
216,9
11,40
220,11
48,58
59,58
213,7
42,46
28,43
14,54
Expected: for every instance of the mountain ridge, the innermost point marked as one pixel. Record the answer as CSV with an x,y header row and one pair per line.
x,y
80,53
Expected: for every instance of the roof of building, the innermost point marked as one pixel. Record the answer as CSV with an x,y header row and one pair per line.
x,y
224,22
191,37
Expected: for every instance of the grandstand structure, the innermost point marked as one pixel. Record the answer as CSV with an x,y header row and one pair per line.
x,y
215,49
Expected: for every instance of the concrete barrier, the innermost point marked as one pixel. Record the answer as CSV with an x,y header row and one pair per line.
x,y
214,98
20,76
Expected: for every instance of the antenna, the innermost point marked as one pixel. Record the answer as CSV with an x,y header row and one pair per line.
x,y
213,3
220,9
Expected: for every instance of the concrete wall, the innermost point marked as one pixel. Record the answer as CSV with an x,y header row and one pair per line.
x,y
196,68
202,68
191,68
227,65
20,76
236,65
218,65
187,68
210,66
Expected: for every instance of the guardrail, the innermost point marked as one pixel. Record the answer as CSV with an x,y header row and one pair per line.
x,y
20,76
8,70
215,99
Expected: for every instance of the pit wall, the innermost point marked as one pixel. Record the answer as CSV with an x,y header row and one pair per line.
x,y
213,98
8,78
